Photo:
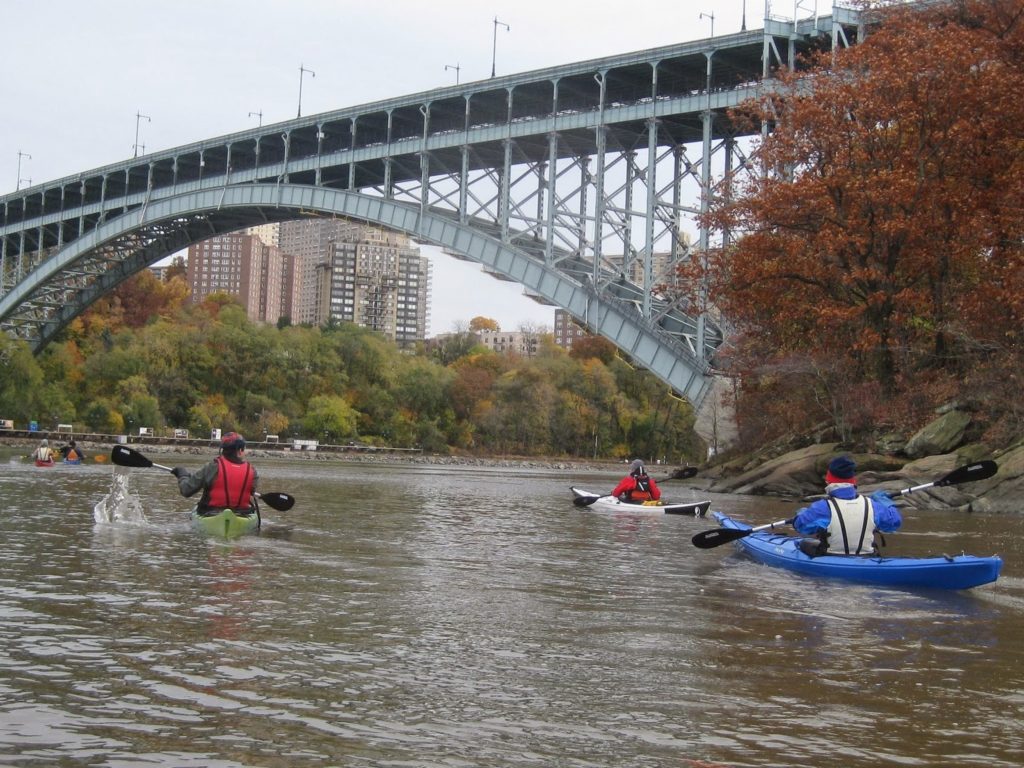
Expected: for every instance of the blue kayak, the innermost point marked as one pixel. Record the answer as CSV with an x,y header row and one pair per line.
x,y
943,572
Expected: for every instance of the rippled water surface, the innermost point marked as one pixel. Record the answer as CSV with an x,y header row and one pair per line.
x,y
414,616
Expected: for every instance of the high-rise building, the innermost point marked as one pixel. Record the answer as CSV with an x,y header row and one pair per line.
x,y
223,264
243,266
270,234
308,242
378,280
567,330
323,270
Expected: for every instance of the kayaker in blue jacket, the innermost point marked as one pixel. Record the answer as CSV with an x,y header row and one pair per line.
x,y
845,521
229,481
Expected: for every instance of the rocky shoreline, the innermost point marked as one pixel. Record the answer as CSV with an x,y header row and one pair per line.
x,y
799,475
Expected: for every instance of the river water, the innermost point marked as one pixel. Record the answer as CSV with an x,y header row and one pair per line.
x,y
420,616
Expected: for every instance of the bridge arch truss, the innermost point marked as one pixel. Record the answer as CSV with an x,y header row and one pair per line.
x,y
575,181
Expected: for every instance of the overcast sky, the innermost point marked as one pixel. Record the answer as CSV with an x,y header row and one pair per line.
x,y
76,73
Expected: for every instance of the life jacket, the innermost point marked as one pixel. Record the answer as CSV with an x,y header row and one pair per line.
x,y
641,489
232,487
72,455
852,527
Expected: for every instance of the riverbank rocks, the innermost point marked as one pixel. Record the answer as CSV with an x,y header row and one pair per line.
x,y
1003,492
940,436
788,475
799,475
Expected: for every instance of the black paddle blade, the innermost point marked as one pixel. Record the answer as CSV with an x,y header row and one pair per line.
x,y
282,502
968,474
718,536
585,501
126,457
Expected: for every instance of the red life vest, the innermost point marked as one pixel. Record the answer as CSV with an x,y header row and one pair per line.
x,y
641,489
232,487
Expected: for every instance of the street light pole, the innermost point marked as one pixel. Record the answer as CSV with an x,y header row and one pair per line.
x,y
20,155
494,46
712,17
258,114
456,68
302,71
138,116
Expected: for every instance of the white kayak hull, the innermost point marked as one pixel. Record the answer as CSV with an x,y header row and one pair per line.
x,y
602,503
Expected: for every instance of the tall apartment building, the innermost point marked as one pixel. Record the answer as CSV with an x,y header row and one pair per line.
x,y
309,243
222,264
378,280
324,269
567,330
241,265
270,234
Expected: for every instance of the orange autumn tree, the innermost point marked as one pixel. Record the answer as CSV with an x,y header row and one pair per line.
x,y
877,260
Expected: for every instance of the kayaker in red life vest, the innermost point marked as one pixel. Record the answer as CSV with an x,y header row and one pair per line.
x,y
227,482
845,522
637,485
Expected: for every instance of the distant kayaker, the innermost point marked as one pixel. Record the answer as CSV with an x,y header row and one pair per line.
x,y
227,482
845,522
43,452
71,452
637,486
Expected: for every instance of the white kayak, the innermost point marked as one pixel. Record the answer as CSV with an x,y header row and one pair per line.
x,y
603,503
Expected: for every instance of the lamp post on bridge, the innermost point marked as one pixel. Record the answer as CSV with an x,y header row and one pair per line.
x,y
21,155
302,71
712,17
494,46
259,115
139,116
456,67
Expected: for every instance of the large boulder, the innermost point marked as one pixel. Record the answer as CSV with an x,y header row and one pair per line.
x,y
1004,491
790,475
940,436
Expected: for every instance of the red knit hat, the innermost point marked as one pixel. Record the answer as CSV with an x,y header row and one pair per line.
x,y
232,441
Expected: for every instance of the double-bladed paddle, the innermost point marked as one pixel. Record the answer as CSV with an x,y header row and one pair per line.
x,y
981,470
124,456
966,474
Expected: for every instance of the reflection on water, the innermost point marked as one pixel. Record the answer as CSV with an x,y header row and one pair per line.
x,y
413,616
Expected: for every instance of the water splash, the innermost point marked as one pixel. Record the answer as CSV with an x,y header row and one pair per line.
x,y
120,505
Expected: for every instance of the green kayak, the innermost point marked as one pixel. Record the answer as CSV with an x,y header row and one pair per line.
x,y
226,523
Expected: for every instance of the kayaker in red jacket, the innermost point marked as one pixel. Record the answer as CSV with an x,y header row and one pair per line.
x,y
227,482
637,486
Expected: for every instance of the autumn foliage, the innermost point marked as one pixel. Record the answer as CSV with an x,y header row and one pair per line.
x,y
877,266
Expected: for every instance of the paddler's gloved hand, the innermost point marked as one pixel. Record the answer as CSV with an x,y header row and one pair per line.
x,y
180,472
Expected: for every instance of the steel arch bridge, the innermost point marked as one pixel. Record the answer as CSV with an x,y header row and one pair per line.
x,y
569,180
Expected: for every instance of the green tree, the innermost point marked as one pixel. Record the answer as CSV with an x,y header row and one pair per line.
x,y
330,418
21,380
